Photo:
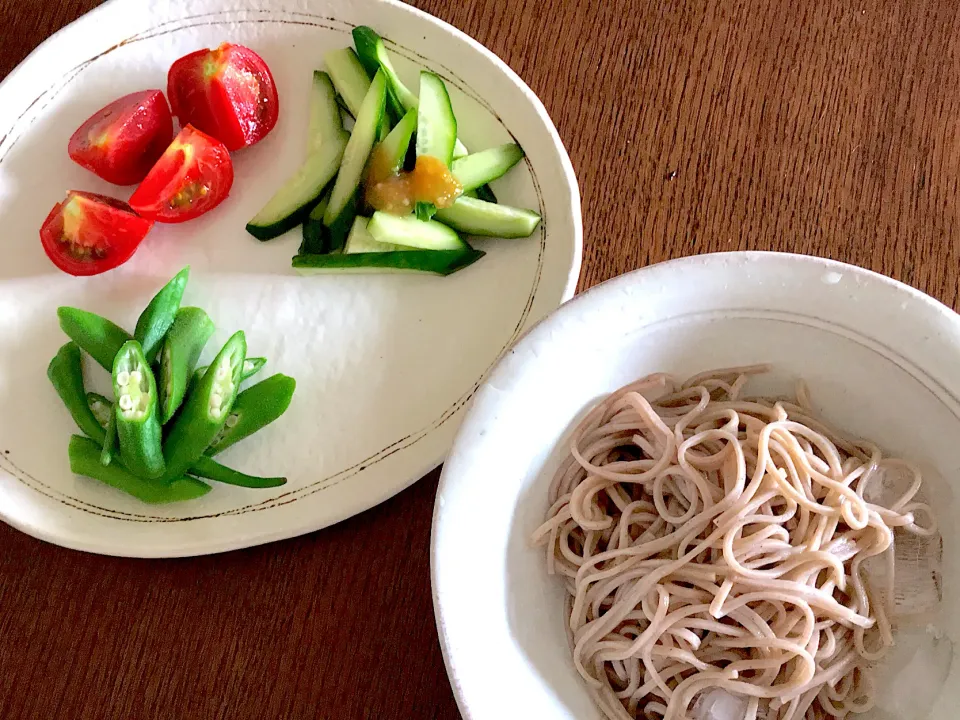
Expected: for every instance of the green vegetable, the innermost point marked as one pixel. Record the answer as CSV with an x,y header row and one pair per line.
x,y
485,193
411,232
436,129
251,366
158,316
95,335
474,171
206,409
209,468
109,440
349,77
476,217
341,209
373,56
316,238
188,335
138,422
101,408
255,408
361,241
292,203
440,262
66,375
85,460
394,147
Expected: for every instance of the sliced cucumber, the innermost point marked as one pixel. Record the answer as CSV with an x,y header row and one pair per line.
x,y
328,140
361,241
315,234
396,144
436,123
478,217
409,231
440,262
485,193
341,210
436,129
373,56
349,77
485,166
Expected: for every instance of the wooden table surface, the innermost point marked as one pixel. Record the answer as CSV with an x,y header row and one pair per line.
x,y
829,127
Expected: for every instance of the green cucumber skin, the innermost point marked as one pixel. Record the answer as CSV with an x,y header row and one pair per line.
x,y
349,76
372,52
355,157
292,203
314,232
438,262
485,192
263,233
476,170
397,143
361,241
477,217
436,121
409,231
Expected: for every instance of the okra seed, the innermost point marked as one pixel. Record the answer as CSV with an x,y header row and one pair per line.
x,y
216,401
126,403
123,378
233,420
135,376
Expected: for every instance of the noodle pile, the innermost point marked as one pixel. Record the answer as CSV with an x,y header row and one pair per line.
x,y
709,540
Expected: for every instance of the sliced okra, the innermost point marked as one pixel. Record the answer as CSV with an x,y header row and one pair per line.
x,y
138,421
188,335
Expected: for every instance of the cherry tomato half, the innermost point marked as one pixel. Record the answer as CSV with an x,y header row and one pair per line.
x,y
227,92
123,140
193,176
88,234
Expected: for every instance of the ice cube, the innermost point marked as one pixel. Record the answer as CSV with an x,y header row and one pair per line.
x,y
911,677
718,704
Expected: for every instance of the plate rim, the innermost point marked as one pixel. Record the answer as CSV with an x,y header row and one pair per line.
x,y
461,448
191,547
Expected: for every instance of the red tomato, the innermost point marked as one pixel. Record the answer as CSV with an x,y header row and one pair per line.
x,y
88,234
194,175
122,141
228,93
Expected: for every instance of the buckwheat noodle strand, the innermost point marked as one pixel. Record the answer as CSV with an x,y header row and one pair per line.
x,y
712,540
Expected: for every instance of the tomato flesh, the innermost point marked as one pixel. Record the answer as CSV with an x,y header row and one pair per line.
x,y
227,92
122,141
192,177
88,234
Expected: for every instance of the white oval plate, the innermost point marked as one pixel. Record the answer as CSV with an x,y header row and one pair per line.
x,y
385,363
882,360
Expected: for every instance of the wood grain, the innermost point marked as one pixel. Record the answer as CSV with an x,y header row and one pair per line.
x,y
820,126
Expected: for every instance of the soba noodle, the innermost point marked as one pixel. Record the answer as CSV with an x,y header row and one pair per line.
x,y
710,540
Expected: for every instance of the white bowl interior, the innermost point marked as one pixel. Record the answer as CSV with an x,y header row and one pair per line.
x,y
880,361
